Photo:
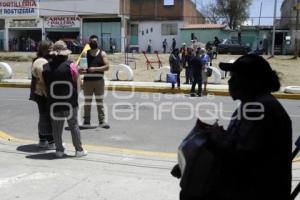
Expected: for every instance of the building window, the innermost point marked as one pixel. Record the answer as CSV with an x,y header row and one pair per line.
x,y
169,29
168,2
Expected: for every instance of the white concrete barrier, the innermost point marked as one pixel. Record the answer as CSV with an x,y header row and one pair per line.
x,y
160,72
7,70
216,73
292,89
122,67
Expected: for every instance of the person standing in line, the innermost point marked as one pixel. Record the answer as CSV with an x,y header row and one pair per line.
x,y
175,65
189,57
149,47
60,77
112,45
165,45
38,94
197,66
184,54
94,82
205,61
173,44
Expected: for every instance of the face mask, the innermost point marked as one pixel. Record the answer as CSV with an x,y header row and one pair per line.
x,y
93,45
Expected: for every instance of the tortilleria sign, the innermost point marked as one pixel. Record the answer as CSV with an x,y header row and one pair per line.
x,y
19,7
62,22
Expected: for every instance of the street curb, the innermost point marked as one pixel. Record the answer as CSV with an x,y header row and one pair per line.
x,y
7,137
163,90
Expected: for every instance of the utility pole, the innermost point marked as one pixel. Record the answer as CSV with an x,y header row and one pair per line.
x,y
258,28
297,29
274,29
260,12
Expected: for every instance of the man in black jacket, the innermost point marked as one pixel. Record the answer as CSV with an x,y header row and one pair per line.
x,y
196,64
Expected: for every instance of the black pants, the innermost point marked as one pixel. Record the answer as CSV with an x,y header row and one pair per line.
x,y
44,124
178,80
188,75
197,80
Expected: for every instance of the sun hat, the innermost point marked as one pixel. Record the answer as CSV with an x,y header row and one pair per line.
x,y
60,49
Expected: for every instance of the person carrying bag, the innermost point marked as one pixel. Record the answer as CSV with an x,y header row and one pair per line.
x,y
196,166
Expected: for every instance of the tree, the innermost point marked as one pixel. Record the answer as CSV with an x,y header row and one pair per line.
x,y
211,13
232,12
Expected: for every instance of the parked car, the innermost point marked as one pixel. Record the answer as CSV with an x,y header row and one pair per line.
x,y
233,47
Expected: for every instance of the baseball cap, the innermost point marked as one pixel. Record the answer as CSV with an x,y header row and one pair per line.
x,y
249,63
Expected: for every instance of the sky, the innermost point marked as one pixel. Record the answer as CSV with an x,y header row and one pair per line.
x,y
267,10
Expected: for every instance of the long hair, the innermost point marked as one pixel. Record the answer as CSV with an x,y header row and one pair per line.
x,y
44,48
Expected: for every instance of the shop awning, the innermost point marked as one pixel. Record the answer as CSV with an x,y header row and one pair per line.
x,y
62,30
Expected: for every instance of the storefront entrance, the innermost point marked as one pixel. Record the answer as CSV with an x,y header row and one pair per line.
x,y
24,39
55,36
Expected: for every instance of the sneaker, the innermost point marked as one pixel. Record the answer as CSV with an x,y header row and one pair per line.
x,y
43,144
59,154
104,125
51,146
81,153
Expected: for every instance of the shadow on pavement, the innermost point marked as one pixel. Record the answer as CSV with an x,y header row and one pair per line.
x,y
30,148
46,156
82,127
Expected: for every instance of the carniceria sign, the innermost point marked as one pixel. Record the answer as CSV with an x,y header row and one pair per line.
x,y
62,22
19,7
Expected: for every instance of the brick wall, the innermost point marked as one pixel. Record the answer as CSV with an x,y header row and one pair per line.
x,y
191,14
142,10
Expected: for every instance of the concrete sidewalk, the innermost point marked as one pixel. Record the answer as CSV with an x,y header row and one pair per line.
x,y
28,173
154,87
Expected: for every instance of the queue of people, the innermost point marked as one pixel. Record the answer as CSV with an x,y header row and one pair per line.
x,y
54,87
195,61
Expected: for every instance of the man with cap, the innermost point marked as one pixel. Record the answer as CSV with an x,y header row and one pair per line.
x,y
253,155
60,77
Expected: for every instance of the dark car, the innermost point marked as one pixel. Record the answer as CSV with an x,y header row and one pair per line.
x,y
233,47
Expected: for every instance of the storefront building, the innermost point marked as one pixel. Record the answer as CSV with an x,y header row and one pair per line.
x,y
27,22
22,25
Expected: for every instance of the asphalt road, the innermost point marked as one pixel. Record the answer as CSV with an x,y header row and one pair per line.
x,y
139,121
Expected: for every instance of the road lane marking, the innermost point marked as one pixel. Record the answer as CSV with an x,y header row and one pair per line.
x,y
8,137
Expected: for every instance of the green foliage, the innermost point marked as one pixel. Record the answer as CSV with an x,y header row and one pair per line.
x,y
232,12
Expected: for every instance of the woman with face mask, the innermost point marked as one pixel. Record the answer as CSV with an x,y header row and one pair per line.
x,y
39,95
